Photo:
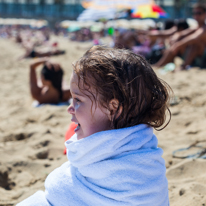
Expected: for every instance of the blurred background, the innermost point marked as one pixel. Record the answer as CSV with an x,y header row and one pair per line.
x,y
56,10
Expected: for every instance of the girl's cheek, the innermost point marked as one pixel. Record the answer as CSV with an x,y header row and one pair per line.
x,y
76,106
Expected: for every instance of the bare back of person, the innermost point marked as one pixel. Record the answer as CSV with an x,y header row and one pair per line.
x,y
50,90
52,95
49,95
190,44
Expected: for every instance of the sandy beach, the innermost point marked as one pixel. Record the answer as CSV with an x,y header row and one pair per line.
x,y
32,139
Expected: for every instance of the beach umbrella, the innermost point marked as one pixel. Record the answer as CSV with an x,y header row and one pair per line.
x,y
108,9
65,24
93,14
149,11
117,4
74,28
96,27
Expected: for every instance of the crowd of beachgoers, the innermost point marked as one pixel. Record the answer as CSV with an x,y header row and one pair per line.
x,y
158,42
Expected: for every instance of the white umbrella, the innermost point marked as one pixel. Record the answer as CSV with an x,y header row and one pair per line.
x,y
93,14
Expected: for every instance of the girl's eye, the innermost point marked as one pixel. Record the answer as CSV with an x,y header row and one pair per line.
x,y
77,100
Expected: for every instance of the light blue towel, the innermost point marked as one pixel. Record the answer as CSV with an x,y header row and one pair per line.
x,y
120,167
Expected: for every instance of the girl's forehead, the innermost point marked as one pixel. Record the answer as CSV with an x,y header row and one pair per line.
x,y
77,86
74,78
75,83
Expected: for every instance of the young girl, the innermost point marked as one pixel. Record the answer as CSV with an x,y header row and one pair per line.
x,y
114,159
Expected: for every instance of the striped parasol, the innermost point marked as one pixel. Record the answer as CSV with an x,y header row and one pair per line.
x,y
116,4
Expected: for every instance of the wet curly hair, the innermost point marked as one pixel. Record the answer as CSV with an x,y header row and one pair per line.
x,y
127,77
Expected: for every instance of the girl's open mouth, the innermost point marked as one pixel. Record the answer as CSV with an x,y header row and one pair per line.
x,y
77,128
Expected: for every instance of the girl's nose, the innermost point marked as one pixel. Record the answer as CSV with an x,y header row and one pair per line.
x,y
71,109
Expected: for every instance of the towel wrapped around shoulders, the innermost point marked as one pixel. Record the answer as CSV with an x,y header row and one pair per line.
x,y
121,167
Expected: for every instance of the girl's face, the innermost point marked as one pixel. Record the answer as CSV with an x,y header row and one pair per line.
x,y
90,118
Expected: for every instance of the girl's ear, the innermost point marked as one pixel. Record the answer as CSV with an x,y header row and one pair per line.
x,y
113,106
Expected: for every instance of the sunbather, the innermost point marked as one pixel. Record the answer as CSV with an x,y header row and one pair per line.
x,y
190,43
51,77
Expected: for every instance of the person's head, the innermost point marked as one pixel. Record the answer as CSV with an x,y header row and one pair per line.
x,y
168,24
52,75
113,89
199,13
182,25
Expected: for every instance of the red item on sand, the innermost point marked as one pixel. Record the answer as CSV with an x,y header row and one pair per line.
x,y
70,132
55,44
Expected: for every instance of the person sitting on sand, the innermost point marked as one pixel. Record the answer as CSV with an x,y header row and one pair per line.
x,y
114,158
181,25
160,40
190,43
171,28
51,77
153,41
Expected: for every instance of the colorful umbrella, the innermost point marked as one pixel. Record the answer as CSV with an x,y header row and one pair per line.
x,y
149,11
116,4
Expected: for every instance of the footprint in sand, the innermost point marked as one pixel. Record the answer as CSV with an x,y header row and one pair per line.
x,y
187,124
5,182
182,192
17,136
41,144
43,154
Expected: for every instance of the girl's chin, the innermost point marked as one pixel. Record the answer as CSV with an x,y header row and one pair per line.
x,y
79,135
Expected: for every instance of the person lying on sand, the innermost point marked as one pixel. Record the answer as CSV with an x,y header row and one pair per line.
x,y
32,53
51,77
190,43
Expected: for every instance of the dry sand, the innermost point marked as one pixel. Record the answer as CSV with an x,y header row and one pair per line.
x,y
32,139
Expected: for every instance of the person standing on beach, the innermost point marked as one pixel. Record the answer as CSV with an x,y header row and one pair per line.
x,y
190,43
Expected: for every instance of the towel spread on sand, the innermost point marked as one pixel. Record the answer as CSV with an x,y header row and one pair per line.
x,y
121,167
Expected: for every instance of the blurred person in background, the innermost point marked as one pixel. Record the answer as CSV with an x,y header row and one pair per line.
x,y
163,39
50,90
32,53
190,43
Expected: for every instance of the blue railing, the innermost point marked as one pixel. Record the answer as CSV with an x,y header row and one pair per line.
x,y
69,11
